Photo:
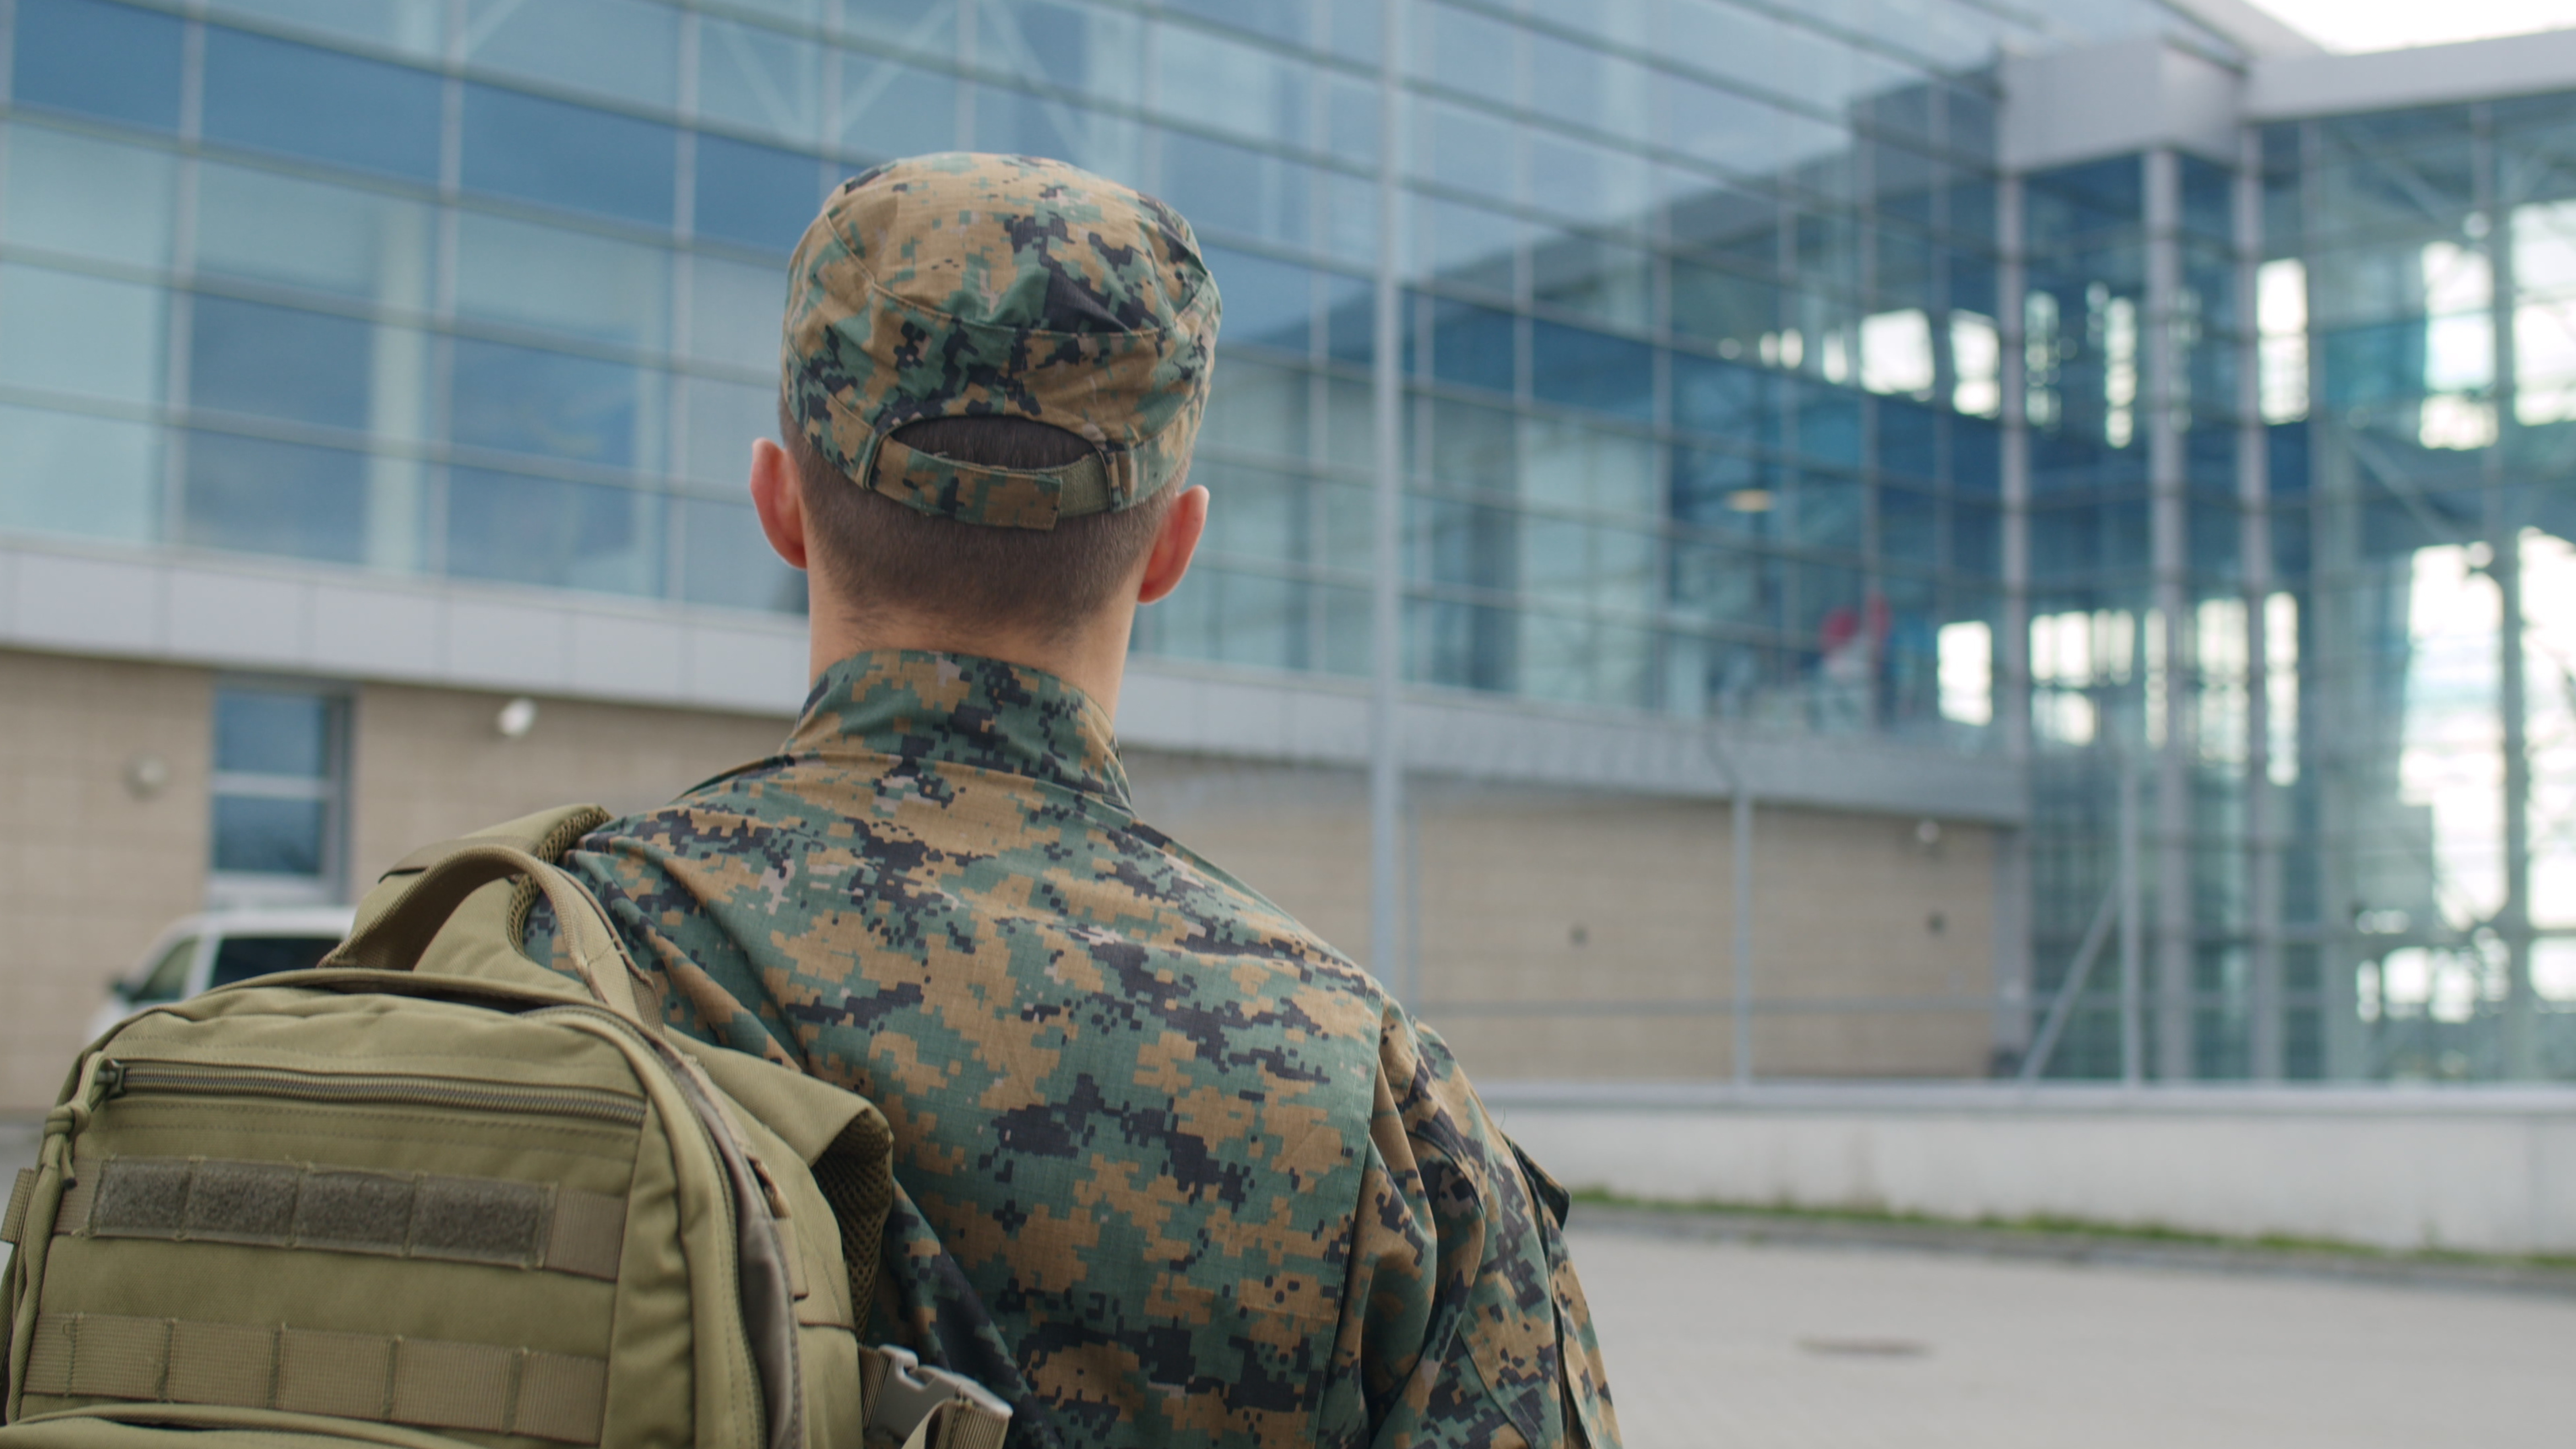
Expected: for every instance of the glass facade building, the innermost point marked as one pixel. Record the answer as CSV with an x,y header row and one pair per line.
x,y
1740,377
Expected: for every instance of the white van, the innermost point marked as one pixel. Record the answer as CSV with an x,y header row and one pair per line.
x,y
219,948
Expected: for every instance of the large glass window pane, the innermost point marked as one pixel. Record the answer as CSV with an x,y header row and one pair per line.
x,y
1228,85
1254,407
413,26
1465,51
734,313
892,109
1077,47
87,197
1579,84
760,80
272,228
260,733
258,835
1583,563
1597,185
908,24
1235,618
71,473
579,408
547,531
1584,661
1468,246
1474,447
98,59
64,332
1469,150
1586,369
1573,466
253,495
529,275
1031,125
730,563
1608,280
756,195
1227,188
280,362
624,48
300,101
1909,528
1267,303
1472,346
563,155
724,420
1254,513
1726,585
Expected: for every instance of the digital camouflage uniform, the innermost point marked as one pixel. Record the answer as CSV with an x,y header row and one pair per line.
x,y
1171,1169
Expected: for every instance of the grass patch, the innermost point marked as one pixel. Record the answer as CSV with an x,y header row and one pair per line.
x,y
2041,1225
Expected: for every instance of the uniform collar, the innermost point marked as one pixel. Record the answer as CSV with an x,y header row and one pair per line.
x,y
958,709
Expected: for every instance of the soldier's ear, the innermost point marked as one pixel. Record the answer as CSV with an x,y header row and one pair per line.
x,y
1174,543
779,498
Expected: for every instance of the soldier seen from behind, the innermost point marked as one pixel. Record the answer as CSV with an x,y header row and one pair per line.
x,y
1173,1171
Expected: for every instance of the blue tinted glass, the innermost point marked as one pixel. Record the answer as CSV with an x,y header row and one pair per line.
x,y
117,462
1279,19
1829,423
1228,188
258,496
1580,368
892,109
1728,399
245,357
729,562
1909,438
1976,456
1827,512
278,96
1909,527
1733,493
526,401
551,532
99,60
268,837
1267,303
757,195
562,155
259,733
1976,540
1471,345
1350,318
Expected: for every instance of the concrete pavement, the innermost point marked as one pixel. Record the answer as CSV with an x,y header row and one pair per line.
x,y
1723,1344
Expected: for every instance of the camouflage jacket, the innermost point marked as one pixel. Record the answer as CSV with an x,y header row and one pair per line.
x,y
1172,1170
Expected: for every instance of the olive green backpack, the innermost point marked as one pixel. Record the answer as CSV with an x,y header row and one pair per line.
x,y
432,1194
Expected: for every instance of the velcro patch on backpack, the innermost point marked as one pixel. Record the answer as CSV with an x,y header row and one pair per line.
x,y
348,1210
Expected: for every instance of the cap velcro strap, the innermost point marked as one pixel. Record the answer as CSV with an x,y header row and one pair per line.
x,y
375,1377
349,1210
1033,498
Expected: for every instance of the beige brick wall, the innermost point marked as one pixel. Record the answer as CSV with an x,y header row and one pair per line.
x,y
426,764
1532,897
1525,897
90,870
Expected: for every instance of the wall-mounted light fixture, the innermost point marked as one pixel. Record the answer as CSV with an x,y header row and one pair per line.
x,y
516,718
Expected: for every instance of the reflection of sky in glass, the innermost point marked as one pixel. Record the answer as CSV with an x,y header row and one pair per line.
x,y
2452,760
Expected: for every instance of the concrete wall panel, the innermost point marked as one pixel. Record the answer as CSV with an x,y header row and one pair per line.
x,y
91,869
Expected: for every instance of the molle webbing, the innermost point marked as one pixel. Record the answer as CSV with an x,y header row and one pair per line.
x,y
427,1382
348,1210
21,1193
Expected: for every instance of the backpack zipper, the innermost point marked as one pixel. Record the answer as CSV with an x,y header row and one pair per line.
x,y
125,1077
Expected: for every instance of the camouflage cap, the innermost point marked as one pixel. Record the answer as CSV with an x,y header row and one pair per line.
x,y
962,283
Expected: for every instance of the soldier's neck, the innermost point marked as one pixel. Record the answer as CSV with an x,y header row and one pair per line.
x,y
1092,659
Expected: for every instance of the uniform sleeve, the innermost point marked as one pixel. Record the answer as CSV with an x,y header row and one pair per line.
x,y
1464,1323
